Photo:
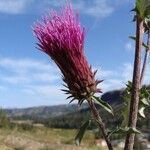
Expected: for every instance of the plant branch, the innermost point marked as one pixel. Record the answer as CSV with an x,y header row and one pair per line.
x,y
145,57
100,123
129,143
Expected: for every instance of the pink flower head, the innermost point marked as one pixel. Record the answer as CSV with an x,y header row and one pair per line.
x,y
62,38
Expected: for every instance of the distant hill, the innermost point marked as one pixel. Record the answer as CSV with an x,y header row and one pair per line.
x,y
113,97
44,112
71,115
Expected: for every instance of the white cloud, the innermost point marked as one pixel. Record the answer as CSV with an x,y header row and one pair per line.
x,y
112,79
100,9
44,90
95,8
2,88
14,6
23,64
127,71
30,80
129,47
54,3
111,84
116,79
27,71
38,82
14,79
105,73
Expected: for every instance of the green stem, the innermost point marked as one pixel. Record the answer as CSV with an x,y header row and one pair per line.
x,y
129,143
100,123
145,57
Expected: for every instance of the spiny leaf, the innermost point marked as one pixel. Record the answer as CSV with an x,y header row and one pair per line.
x,y
81,132
72,100
65,85
116,131
125,114
126,106
69,97
141,112
125,130
134,38
145,101
66,91
142,6
103,104
134,130
147,8
80,102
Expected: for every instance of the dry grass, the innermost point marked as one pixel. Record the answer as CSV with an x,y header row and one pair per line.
x,y
44,139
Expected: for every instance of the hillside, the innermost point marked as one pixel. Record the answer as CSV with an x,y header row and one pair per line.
x,y
61,116
44,139
44,112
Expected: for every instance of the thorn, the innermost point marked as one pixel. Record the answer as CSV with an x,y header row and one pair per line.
x,y
69,97
95,73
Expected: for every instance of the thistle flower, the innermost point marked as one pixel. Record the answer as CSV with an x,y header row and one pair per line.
x,y
62,38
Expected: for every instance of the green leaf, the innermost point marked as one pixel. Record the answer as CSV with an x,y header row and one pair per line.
x,y
126,106
147,8
81,132
145,101
103,104
134,38
125,114
141,112
125,130
117,131
140,7
133,130
147,12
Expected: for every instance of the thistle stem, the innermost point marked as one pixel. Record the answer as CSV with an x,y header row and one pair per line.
x,y
134,105
145,57
100,123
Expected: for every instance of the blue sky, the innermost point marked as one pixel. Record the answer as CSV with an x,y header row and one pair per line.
x,y
29,78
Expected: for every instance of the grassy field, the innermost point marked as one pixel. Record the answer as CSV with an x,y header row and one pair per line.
x,y
44,139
